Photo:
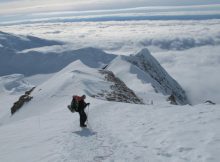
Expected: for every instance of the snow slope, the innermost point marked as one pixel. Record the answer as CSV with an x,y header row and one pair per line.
x,y
44,130
143,73
76,78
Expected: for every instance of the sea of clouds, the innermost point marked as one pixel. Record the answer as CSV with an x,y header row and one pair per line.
x,y
187,49
197,70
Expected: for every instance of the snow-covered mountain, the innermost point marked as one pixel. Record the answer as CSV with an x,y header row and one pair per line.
x,y
30,55
34,62
43,60
44,129
19,54
143,71
76,78
120,126
20,42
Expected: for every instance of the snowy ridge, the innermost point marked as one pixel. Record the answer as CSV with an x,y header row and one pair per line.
x,y
119,91
21,55
75,79
34,62
148,71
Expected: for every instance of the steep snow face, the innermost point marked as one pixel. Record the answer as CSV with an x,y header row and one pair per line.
x,y
136,79
142,72
18,43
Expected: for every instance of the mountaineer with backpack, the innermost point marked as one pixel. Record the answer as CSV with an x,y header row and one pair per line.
x,y
78,104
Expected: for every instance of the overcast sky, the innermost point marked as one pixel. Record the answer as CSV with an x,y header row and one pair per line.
x,y
11,7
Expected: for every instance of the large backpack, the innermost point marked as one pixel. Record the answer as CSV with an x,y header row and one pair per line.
x,y
74,106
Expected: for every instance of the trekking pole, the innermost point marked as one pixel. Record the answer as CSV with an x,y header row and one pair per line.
x,y
88,116
88,119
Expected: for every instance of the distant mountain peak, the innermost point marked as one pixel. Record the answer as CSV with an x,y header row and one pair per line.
x,y
144,52
22,42
149,71
34,61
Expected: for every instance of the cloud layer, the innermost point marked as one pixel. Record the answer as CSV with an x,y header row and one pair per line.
x,y
128,36
188,50
197,70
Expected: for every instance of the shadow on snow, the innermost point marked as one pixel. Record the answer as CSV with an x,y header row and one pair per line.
x,y
85,132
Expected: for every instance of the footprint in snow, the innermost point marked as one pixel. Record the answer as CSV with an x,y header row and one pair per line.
x,y
184,149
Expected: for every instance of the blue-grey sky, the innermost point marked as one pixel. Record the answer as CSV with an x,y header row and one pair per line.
x,y
32,6
18,11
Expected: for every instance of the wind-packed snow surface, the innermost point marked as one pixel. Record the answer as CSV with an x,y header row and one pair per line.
x,y
44,129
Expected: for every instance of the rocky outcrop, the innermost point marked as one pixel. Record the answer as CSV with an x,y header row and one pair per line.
x,y
172,99
119,92
21,101
210,102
